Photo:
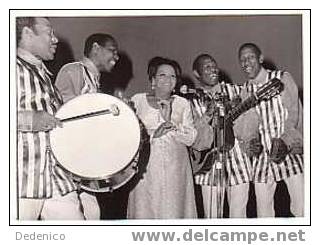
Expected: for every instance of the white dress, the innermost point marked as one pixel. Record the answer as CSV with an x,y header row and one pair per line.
x,y
165,187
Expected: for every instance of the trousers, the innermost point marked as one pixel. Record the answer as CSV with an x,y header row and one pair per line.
x,y
265,196
71,206
237,198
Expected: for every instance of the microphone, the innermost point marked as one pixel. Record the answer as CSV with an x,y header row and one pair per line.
x,y
185,90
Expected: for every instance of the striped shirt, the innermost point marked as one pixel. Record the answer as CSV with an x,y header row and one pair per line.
x,y
280,117
78,78
37,168
237,163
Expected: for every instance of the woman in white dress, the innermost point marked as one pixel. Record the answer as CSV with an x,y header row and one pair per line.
x,y
165,188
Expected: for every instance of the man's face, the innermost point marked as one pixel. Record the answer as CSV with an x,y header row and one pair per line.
x,y
208,71
43,41
250,62
107,56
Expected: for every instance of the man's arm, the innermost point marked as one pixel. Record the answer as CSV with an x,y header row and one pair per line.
x,y
35,121
293,129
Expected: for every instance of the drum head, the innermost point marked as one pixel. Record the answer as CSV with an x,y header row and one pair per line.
x,y
99,146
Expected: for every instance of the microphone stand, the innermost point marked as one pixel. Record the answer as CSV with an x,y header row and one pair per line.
x,y
218,123
219,134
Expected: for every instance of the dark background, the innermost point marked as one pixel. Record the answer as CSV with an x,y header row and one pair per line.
x,y
182,38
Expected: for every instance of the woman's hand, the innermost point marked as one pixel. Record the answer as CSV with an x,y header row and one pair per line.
x,y
163,129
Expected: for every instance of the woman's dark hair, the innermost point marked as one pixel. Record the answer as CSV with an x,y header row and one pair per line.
x,y
155,62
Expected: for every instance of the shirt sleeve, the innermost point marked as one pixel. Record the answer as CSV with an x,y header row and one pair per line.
x,y
25,114
29,121
69,82
293,128
24,121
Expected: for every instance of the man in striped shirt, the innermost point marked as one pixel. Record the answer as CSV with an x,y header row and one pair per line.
x,y
45,191
236,163
82,77
276,125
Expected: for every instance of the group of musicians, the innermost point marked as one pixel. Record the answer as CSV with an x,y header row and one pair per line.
x,y
191,139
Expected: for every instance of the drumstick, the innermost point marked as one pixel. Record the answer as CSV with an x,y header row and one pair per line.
x,y
114,110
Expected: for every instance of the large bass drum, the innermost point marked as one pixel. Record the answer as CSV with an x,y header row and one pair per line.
x,y
98,143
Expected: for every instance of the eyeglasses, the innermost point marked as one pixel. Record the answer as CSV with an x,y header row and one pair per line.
x,y
110,48
166,76
114,51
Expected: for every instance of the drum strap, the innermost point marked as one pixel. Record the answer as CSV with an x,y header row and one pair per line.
x,y
92,80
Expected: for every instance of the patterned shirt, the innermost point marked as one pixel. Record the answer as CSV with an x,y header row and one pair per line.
x,y
279,117
37,168
237,163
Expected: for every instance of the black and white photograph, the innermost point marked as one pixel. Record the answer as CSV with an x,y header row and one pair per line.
x,y
175,116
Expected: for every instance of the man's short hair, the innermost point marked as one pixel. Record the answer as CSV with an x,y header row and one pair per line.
x,y
155,62
22,22
99,38
197,61
251,46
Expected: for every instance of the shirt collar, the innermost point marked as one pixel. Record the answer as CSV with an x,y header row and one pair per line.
x,y
33,60
212,90
260,78
91,67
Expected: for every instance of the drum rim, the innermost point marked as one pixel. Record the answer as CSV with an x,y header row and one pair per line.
x,y
112,187
95,178
104,176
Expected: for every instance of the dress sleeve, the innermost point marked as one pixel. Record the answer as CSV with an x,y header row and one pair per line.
x,y
69,82
294,121
185,132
